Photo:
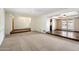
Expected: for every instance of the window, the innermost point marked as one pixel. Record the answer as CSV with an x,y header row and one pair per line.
x,y
68,24
64,24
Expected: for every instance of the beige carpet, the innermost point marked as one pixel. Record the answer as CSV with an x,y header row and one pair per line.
x,y
33,41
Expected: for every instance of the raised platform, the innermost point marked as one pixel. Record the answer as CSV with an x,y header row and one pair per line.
x,y
20,30
66,34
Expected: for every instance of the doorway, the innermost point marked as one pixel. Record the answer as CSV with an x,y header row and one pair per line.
x,y
52,24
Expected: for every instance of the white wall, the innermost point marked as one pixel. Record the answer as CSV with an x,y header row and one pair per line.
x,y
2,25
8,22
40,24
22,22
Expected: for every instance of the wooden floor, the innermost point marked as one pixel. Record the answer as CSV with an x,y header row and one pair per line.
x,y
66,34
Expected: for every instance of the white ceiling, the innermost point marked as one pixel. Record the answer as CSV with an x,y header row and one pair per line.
x,y
33,11
38,11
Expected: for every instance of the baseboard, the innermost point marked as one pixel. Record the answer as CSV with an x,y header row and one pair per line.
x,y
1,37
1,41
20,30
67,30
39,32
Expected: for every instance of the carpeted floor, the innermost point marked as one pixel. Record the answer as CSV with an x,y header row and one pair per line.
x,y
33,41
